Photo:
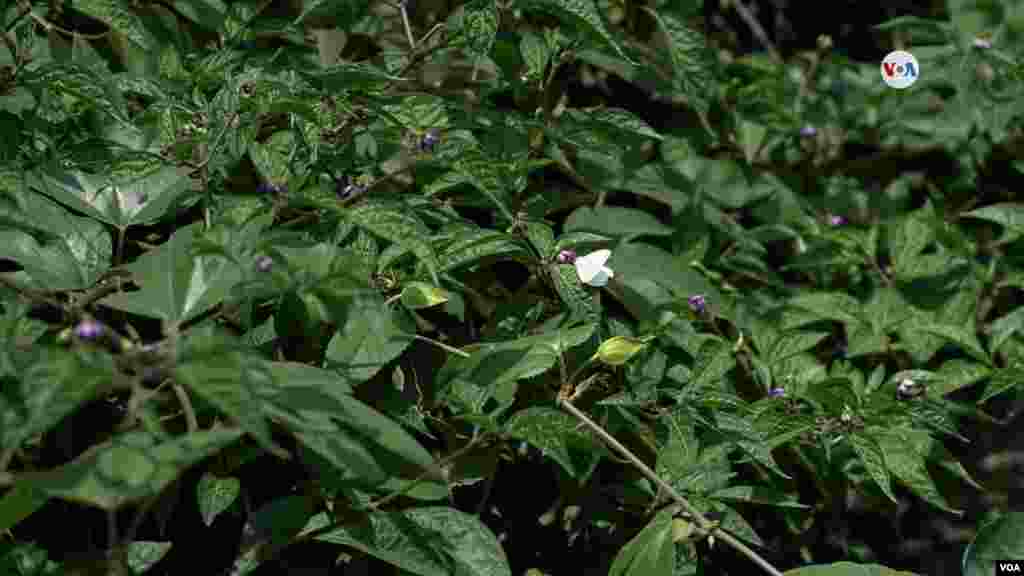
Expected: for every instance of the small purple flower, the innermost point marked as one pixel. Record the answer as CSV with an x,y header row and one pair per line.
x,y
836,220
566,257
89,329
264,263
697,303
430,140
982,43
808,131
777,392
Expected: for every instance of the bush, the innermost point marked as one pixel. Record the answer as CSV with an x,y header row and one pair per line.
x,y
545,286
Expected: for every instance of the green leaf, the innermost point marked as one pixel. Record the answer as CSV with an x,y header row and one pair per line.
x,y
480,25
831,305
1000,539
649,553
475,246
428,541
541,236
961,336
615,221
1005,327
758,495
419,295
282,518
368,340
846,569
357,440
576,14
559,436
536,55
51,387
579,299
1003,379
871,455
215,495
907,464
791,344
176,286
19,503
397,227
226,382
119,202
691,61
907,241
1008,215
130,467
143,555
75,254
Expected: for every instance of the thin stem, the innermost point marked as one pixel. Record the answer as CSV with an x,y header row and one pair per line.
x,y
443,346
406,25
186,406
703,523
756,28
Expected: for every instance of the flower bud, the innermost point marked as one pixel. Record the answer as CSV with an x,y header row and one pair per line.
x,y
617,350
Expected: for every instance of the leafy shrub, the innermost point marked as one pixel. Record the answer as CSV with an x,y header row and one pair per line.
x,y
379,281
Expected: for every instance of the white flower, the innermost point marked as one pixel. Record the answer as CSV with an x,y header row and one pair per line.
x,y
592,270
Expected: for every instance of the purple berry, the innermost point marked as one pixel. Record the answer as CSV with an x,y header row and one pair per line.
x,y
89,329
777,392
566,257
808,131
836,220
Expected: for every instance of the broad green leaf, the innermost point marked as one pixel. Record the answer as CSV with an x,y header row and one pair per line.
x,y
368,339
536,55
1001,539
476,246
400,228
428,541
226,382
215,495
961,336
577,297
957,373
19,503
908,466
692,63
130,467
541,236
271,157
282,518
119,202
75,254
870,454
558,435
176,286
831,305
1005,327
846,569
791,344
1003,379
615,221
907,240
576,15
53,386
1008,215
143,555
345,76
649,553
357,440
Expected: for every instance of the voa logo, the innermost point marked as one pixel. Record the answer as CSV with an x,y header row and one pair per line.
x,y
1008,567
900,69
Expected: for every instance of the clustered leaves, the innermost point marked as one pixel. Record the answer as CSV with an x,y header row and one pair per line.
x,y
246,246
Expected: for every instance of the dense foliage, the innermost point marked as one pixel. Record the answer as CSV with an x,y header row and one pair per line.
x,y
480,288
